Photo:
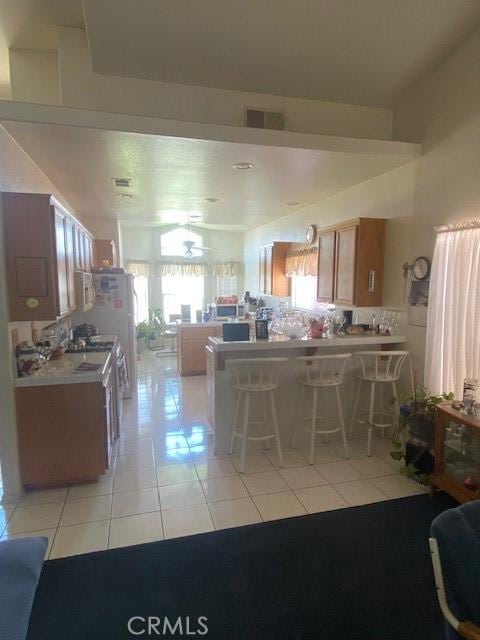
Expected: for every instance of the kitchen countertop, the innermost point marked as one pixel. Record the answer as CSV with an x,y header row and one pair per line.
x,y
212,323
62,371
282,342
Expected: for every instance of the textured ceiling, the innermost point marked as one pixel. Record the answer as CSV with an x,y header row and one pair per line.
x,y
172,176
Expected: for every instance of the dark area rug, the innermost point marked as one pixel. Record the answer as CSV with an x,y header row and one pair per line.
x,y
351,574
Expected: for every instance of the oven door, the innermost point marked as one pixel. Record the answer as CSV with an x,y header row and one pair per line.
x,y
120,369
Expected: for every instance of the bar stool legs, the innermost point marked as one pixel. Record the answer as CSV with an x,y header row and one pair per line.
x,y
314,431
243,397
275,429
243,450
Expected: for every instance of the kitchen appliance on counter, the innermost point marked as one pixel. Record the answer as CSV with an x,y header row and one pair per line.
x,y
85,330
226,311
113,314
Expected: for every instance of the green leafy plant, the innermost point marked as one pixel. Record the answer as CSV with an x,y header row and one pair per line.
x,y
417,415
145,330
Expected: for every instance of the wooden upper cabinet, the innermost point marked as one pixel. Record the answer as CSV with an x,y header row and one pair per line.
x,y
326,266
345,253
273,281
350,263
70,257
104,250
61,262
40,240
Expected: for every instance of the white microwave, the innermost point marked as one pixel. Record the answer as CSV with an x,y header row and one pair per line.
x,y
84,290
229,311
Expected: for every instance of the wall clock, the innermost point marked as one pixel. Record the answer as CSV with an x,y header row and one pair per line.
x,y
311,233
421,268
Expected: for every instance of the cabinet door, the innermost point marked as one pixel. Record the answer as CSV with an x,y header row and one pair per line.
x,y
261,271
61,260
86,260
70,259
345,256
89,253
78,248
326,266
268,269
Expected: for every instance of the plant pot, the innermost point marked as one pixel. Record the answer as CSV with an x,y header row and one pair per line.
x,y
420,457
421,430
140,345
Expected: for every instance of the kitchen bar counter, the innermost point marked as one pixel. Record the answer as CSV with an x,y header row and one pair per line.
x,y
282,342
219,379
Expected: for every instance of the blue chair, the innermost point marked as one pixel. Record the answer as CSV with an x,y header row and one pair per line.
x,y
455,550
21,562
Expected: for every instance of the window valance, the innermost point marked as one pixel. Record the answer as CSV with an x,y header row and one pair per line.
x,y
301,262
224,269
139,268
181,269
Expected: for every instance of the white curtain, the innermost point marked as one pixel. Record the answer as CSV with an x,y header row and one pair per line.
x,y
453,327
139,268
181,268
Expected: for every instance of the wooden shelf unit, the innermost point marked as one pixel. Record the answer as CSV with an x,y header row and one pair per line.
x,y
442,477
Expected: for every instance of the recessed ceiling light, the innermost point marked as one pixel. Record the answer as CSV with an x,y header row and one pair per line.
x,y
292,203
124,195
122,182
243,166
211,200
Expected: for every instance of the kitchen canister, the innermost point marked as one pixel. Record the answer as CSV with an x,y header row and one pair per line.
x,y
28,360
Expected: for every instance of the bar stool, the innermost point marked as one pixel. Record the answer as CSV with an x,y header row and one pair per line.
x,y
378,367
321,372
260,377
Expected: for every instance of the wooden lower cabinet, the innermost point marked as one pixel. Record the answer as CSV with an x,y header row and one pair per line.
x,y
457,454
64,432
191,343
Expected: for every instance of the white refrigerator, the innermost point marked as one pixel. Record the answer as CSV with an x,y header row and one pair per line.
x,y
113,314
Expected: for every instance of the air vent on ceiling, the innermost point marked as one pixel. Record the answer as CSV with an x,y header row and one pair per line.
x,y
122,182
259,119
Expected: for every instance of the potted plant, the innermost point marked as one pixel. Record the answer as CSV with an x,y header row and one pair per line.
x,y
417,420
144,333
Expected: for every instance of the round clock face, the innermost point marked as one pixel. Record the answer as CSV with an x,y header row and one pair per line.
x,y
421,268
311,233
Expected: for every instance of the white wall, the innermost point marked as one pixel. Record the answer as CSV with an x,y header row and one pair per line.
x,y
443,186
34,76
81,87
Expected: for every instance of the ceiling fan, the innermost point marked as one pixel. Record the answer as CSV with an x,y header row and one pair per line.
x,y
190,248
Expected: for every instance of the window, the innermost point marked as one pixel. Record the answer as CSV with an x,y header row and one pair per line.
x,y
172,242
140,286
304,291
453,336
182,289
227,285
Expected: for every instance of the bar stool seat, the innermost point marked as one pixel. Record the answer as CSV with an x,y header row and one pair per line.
x,y
258,376
320,372
377,367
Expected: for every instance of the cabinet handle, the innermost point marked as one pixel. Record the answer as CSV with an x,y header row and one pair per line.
x,y
371,281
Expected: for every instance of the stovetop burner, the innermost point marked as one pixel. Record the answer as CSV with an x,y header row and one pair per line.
x,y
94,347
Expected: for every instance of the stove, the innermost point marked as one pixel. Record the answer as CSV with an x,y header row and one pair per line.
x,y
93,347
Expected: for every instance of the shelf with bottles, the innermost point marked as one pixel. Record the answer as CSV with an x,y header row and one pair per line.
x,y
457,454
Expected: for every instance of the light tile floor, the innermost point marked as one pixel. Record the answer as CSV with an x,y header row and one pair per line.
x,y
165,480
